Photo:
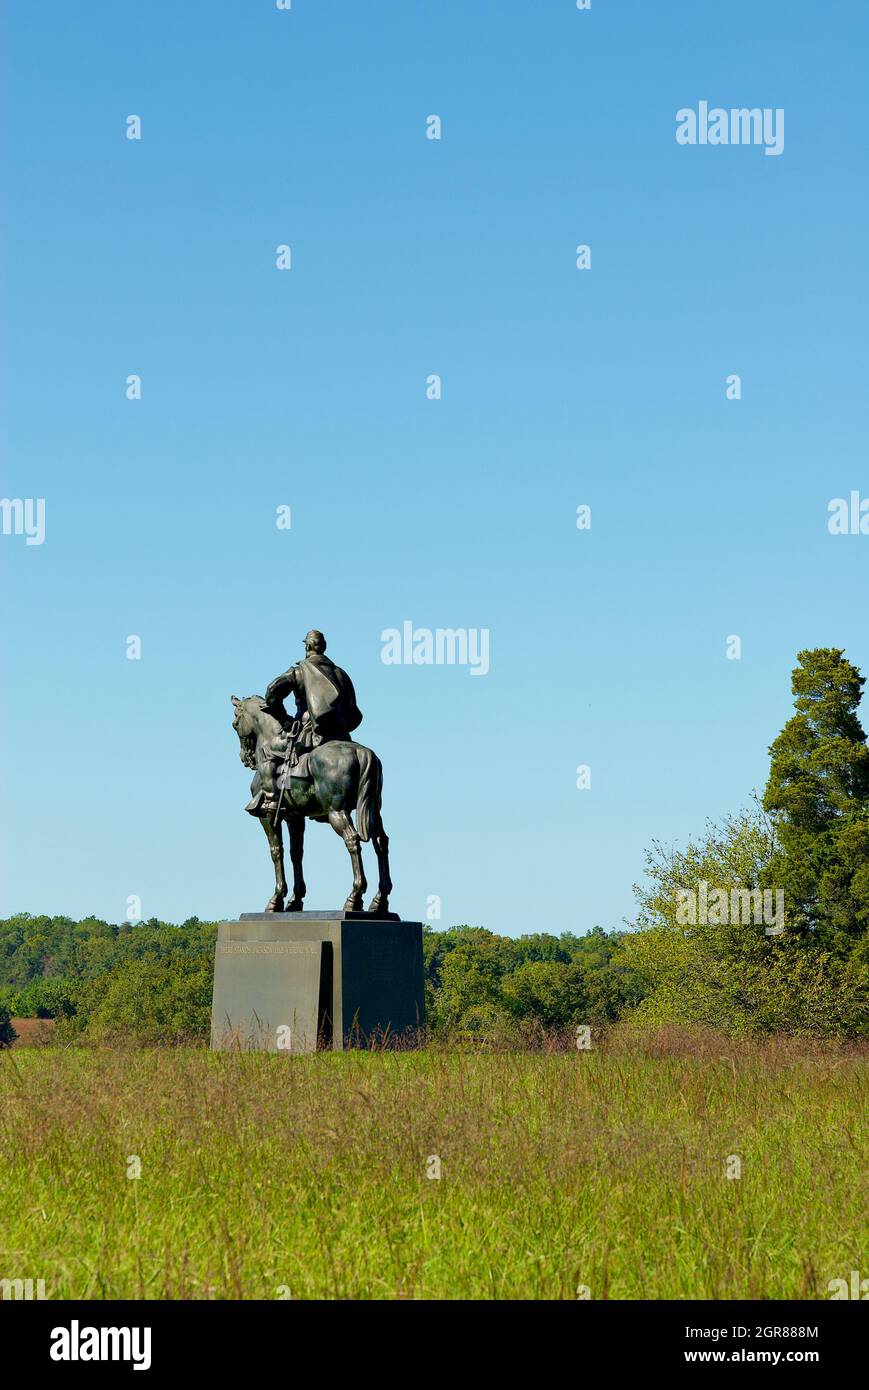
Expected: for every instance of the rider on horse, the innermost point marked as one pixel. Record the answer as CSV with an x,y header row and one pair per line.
x,y
326,707
310,768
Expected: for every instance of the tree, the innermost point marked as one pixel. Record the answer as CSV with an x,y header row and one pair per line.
x,y
541,946
153,999
469,995
7,1032
548,991
47,996
693,970
818,799
723,971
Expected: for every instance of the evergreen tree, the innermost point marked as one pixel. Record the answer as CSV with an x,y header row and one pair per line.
x,y
7,1032
818,798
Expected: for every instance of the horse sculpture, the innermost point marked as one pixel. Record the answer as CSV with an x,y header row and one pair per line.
x,y
341,777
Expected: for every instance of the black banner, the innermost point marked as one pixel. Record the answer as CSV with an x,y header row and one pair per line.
x,y
62,1339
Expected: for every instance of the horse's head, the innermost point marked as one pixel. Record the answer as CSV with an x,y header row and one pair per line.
x,y
255,721
247,725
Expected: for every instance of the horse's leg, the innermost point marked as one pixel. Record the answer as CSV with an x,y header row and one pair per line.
x,y
276,845
297,847
380,840
343,826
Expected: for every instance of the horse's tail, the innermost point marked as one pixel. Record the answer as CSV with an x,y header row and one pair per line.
x,y
370,787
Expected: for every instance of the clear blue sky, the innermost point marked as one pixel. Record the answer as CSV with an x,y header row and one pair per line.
x,y
307,388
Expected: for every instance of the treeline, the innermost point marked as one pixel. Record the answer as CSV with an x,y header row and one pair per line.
x,y
760,925
153,980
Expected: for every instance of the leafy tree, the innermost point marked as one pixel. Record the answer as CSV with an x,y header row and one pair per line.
x,y
154,999
551,992
470,981
541,946
47,996
613,988
730,974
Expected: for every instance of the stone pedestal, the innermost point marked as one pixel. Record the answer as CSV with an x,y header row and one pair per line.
x,y
293,981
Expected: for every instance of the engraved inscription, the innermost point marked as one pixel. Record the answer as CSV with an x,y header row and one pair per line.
x,y
267,948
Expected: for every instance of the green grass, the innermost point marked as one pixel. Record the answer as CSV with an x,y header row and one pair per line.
x,y
605,1169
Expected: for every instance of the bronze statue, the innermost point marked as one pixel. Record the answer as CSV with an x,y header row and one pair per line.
x,y
326,705
309,766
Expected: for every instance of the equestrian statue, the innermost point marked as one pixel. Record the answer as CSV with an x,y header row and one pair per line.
x,y
307,767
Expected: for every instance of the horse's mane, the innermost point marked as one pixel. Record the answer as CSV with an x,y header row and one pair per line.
x,y
276,711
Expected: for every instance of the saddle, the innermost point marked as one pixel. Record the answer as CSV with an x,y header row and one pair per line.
x,y
299,768
264,803
298,764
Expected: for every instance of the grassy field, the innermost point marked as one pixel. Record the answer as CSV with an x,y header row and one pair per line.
x,y
277,1176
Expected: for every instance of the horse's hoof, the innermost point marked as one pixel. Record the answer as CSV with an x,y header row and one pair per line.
x,y
275,905
295,905
378,904
353,904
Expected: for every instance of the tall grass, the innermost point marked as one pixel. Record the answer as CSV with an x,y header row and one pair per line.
x,y
266,1176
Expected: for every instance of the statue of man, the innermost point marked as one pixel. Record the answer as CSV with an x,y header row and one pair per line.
x,y
326,705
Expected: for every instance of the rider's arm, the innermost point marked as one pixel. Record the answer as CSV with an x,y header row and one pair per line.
x,y
279,687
